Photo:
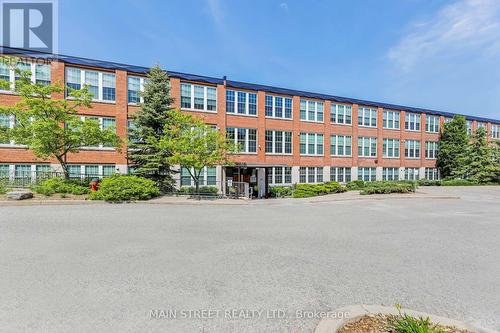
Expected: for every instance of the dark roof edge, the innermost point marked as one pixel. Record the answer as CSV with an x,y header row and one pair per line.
x,y
233,84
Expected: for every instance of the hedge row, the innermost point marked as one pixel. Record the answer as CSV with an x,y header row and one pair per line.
x,y
61,186
125,188
213,190
312,190
280,191
388,187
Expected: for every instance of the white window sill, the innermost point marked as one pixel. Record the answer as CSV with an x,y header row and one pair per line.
x,y
312,155
279,154
432,132
70,98
312,121
11,145
277,118
350,125
340,155
431,158
365,126
389,128
412,158
374,157
391,157
98,148
410,130
241,115
198,110
244,153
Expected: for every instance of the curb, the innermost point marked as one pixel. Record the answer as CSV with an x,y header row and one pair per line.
x,y
331,324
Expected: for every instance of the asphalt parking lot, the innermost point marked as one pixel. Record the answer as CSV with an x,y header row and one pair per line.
x,y
109,267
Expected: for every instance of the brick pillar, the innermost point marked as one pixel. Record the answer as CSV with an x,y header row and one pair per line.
x,y
121,112
261,127
296,130
326,139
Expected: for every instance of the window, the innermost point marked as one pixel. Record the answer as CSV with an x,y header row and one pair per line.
x,y
75,171
279,175
412,122
367,147
412,148
91,171
208,177
43,168
340,174
4,171
367,174
22,171
135,88
481,125
311,111
245,138
340,145
108,170
40,73
469,127
130,128
341,114
6,121
411,174
200,98
431,148
390,173
495,131
311,144
104,123
278,107
278,142
391,119
431,173
245,103
367,117
310,174
101,85
432,124
390,148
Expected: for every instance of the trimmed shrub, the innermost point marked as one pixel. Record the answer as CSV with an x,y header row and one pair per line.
x,y
280,191
312,190
355,185
213,190
458,182
388,187
125,188
3,190
62,186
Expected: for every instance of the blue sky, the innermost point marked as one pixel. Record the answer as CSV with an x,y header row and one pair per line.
x,y
435,54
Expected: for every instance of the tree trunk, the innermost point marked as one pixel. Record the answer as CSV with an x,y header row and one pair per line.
x,y
64,166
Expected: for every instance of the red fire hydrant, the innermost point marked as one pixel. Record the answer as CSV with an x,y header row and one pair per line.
x,y
94,184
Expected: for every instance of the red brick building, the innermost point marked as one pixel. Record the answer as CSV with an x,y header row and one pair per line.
x,y
288,136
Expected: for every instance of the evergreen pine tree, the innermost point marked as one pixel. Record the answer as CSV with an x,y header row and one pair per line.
x,y
149,123
452,147
479,162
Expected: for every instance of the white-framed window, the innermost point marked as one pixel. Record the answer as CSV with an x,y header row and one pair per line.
x,y
135,89
208,177
104,123
311,144
91,170
40,73
469,127
412,121
390,148
431,149
431,173
447,120
101,85
412,174
311,110
7,121
390,174
278,107
481,125
241,102
367,117
391,119
340,145
278,142
279,175
198,98
367,174
340,174
341,114
310,174
367,146
495,131
412,149
432,124
244,138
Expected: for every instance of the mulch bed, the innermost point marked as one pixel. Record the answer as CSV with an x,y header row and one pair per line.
x,y
379,324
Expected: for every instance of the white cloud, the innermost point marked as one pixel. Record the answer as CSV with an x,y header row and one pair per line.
x,y
216,11
284,5
466,28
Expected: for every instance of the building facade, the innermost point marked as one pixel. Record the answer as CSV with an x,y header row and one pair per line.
x,y
287,136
